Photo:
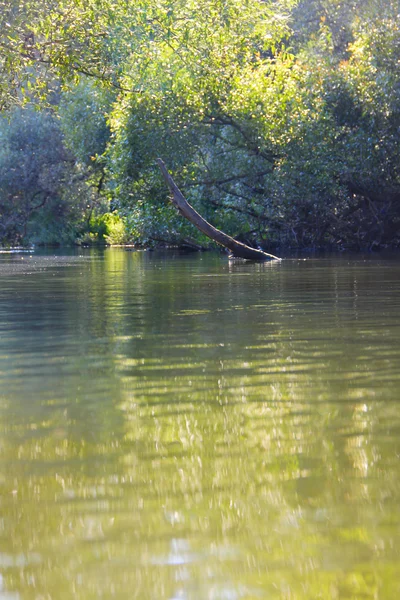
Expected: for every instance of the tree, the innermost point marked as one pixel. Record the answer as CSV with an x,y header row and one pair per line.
x,y
354,145
201,72
41,194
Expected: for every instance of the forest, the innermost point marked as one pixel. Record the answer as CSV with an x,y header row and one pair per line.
x,y
278,119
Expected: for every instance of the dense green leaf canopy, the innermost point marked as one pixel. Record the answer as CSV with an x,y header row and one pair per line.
x,y
279,119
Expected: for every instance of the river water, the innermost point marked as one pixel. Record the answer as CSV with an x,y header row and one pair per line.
x,y
189,428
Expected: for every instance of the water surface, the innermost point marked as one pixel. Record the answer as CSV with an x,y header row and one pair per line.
x,y
187,428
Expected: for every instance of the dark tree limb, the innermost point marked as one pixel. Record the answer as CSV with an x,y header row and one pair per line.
x,y
237,248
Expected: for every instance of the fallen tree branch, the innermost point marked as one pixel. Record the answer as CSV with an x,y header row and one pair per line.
x,y
237,248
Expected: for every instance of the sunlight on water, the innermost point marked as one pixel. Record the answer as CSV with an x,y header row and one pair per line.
x,y
186,428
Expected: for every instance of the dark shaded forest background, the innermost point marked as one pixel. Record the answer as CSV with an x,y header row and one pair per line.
x,y
280,121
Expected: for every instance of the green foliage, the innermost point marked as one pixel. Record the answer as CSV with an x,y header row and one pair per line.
x,y
83,114
44,42
264,143
34,169
194,104
279,120
107,228
356,129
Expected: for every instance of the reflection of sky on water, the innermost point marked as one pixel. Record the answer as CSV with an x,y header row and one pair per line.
x,y
180,556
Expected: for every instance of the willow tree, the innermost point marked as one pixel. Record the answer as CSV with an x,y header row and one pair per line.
x,y
177,64
45,43
207,89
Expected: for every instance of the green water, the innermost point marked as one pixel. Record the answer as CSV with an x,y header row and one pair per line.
x,y
185,428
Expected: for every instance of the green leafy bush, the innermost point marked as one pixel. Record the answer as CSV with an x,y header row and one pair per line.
x,y
108,228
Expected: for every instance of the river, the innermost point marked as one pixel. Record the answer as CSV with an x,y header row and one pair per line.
x,y
190,428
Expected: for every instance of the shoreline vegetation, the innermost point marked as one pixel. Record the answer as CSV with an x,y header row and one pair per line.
x,y
279,122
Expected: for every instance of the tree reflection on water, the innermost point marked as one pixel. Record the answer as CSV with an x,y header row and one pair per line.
x,y
189,429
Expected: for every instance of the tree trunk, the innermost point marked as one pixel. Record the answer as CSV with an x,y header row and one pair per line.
x,y
237,248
